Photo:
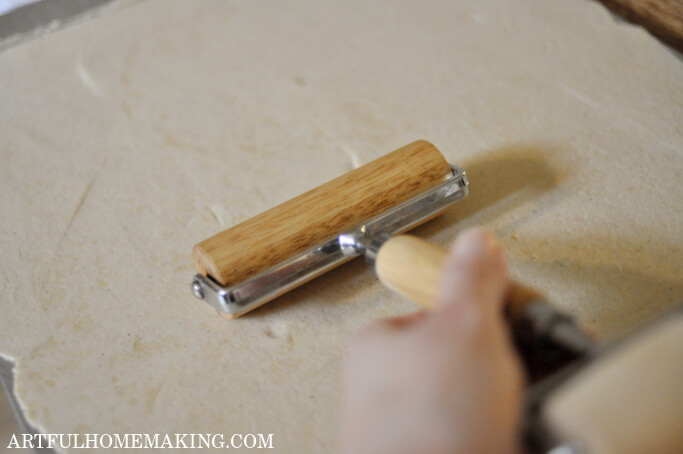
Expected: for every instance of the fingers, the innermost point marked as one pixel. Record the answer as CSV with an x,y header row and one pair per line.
x,y
444,380
474,277
473,282
404,321
382,332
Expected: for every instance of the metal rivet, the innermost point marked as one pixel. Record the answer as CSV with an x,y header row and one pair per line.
x,y
197,290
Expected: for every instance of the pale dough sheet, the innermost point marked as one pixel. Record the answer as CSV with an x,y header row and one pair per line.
x,y
129,138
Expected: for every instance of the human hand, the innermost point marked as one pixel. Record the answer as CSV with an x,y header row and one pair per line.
x,y
444,381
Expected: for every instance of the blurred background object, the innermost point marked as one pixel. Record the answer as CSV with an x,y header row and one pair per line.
x,y
8,5
662,18
25,19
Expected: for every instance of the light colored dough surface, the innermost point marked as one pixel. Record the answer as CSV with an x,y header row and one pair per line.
x,y
127,139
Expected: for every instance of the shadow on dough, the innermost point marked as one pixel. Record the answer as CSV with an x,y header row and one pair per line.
x,y
499,180
615,294
610,299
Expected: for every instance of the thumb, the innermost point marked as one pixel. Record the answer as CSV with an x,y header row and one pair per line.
x,y
474,275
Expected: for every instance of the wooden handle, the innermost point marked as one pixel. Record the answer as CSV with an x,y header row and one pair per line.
x,y
328,210
411,267
630,401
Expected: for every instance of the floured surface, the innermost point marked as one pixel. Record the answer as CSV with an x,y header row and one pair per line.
x,y
126,140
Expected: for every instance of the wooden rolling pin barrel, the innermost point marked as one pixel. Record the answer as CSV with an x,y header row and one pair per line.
x,y
340,205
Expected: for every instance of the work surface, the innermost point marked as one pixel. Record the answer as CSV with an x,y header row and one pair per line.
x,y
129,138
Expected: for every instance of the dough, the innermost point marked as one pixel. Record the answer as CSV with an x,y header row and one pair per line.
x,y
129,138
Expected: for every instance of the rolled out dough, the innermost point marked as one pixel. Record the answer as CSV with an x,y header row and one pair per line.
x,y
129,138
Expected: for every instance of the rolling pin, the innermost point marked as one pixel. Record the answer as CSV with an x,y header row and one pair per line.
x,y
366,213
